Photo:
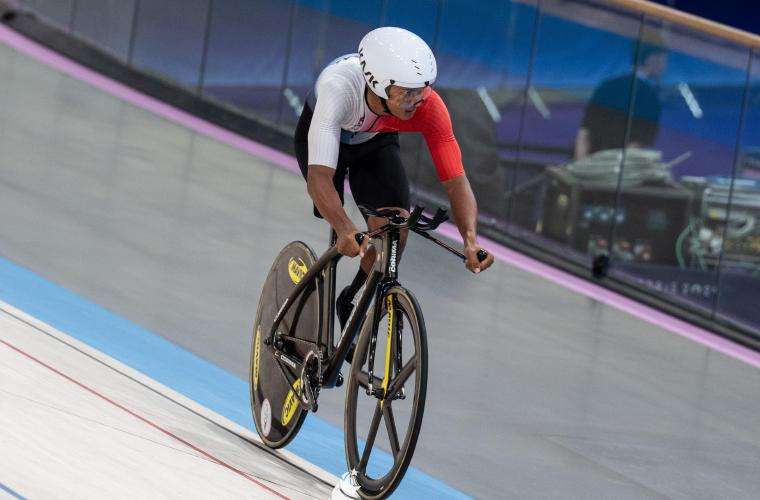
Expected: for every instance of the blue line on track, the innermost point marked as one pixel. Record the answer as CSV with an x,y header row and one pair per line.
x,y
319,442
11,492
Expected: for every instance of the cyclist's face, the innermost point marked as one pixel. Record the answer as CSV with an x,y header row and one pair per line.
x,y
403,102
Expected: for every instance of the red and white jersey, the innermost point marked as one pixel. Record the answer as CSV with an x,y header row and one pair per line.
x,y
341,114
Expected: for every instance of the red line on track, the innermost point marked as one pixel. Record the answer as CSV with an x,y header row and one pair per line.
x,y
145,420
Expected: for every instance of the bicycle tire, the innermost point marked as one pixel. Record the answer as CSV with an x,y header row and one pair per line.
x,y
269,390
369,487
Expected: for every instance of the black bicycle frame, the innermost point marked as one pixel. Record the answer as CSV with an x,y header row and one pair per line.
x,y
383,275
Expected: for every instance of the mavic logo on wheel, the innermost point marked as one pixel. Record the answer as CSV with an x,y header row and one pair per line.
x,y
296,269
291,404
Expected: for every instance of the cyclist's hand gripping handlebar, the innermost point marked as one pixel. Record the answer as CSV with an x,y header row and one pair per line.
x,y
417,222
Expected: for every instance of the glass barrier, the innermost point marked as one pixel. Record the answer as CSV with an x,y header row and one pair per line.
x,y
247,55
105,23
675,183
169,39
740,260
322,31
348,23
58,11
476,80
585,130
577,106
308,29
511,96
421,17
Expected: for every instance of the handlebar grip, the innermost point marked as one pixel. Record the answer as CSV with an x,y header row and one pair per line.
x,y
482,255
414,217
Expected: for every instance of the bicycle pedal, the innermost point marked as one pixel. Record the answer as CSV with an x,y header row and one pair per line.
x,y
339,380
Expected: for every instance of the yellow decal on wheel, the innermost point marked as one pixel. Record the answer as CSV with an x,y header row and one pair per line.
x,y
256,354
291,404
296,269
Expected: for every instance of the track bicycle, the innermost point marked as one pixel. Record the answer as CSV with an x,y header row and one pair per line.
x,y
294,355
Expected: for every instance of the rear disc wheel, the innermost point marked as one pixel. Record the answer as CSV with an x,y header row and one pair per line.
x,y
274,400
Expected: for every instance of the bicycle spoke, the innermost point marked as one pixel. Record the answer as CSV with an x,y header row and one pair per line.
x,y
397,383
399,393
371,437
390,426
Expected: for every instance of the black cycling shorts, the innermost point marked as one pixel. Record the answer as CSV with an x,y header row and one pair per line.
x,y
375,172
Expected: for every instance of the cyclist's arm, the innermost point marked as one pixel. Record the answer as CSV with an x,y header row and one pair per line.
x,y
324,147
437,129
464,210
319,184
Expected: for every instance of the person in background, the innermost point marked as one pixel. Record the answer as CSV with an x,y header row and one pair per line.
x,y
606,115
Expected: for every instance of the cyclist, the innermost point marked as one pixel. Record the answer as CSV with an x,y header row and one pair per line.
x,y
350,124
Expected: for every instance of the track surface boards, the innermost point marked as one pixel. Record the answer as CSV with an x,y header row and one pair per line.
x,y
74,427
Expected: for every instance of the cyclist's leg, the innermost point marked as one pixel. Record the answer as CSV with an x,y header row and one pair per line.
x,y
378,180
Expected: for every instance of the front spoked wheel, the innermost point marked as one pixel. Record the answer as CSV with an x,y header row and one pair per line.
x,y
383,414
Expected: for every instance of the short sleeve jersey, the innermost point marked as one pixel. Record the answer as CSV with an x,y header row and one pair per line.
x,y
341,114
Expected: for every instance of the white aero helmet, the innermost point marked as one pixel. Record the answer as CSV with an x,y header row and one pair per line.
x,y
395,56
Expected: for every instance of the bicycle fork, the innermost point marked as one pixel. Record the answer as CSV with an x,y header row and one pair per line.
x,y
393,333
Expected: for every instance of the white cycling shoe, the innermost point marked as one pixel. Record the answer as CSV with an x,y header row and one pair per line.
x,y
347,487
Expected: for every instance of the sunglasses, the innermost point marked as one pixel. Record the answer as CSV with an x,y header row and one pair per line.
x,y
408,98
